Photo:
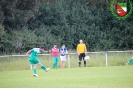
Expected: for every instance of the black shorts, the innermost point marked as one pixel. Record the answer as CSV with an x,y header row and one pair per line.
x,y
81,56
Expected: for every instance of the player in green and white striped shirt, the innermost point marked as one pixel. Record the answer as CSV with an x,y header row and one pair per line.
x,y
34,60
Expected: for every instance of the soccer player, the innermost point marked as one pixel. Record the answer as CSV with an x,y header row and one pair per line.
x,y
34,60
55,52
130,60
81,50
63,52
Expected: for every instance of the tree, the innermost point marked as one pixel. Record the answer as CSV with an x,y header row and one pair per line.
x,y
2,37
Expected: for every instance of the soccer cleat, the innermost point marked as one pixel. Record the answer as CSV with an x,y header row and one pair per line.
x,y
47,69
35,75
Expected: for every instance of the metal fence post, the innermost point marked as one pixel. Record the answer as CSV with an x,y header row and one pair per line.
x,y
106,58
68,60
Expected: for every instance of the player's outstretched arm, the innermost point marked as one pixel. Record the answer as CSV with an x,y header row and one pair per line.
x,y
28,53
45,51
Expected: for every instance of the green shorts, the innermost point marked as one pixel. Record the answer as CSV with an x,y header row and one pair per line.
x,y
34,61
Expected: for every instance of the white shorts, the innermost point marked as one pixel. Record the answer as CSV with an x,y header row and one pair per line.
x,y
63,58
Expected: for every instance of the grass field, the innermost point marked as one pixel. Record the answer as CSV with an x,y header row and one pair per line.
x,y
84,77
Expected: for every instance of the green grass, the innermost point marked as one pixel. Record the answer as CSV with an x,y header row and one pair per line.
x,y
89,77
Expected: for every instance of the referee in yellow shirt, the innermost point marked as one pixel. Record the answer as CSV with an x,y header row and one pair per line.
x,y
81,49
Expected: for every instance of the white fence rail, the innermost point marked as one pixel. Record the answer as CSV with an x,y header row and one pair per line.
x,y
69,54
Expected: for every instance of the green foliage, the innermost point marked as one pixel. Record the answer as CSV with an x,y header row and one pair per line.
x,y
2,37
63,21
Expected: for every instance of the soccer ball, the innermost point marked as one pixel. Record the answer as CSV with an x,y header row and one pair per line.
x,y
86,58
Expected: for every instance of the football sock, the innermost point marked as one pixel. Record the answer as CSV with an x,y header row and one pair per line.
x,y
79,64
43,67
34,70
130,60
85,63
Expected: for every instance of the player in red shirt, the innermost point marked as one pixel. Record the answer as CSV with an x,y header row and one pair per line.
x,y
55,53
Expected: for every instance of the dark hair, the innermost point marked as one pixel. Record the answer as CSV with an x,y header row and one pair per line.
x,y
63,44
42,47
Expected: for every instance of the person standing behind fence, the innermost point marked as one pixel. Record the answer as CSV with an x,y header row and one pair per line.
x,y
55,52
34,60
81,49
130,60
63,52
